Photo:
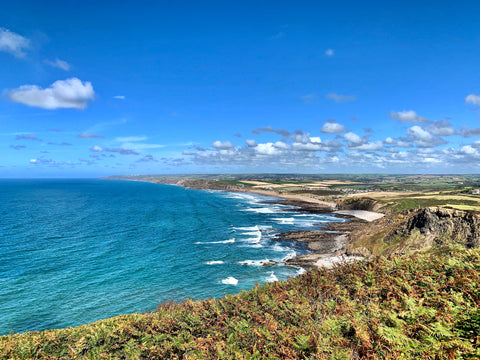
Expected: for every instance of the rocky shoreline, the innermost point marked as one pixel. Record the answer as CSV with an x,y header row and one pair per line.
x,y
327,246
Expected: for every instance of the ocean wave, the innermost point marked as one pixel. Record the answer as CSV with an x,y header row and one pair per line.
x,y
263,210
271,277
301,271
229,241
230,281
214,262
258,262
285,221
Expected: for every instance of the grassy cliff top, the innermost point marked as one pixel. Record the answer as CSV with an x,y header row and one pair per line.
x,y
421,306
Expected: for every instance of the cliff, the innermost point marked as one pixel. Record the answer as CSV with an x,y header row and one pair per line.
x,y
416,230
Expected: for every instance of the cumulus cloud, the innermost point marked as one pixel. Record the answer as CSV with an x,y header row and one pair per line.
x,y
390,141
281,145
251,143
60,64
222,145
86,135
409,116
13,43
353,139
332,128
340,98
441,128
70,93
369,146
267,149
308,146
465,131
473,99
423,138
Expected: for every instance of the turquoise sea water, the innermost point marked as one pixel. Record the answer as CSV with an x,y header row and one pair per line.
x,y
76,251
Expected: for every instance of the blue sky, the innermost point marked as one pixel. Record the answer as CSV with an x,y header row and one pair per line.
x,y
155,87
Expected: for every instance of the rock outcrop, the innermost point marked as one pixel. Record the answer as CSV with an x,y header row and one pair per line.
x,y
418,230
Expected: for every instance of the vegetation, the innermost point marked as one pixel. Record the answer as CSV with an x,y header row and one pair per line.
x,y
421,307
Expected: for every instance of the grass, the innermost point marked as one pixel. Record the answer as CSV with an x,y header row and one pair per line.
x,y
419,307
397,205
463,207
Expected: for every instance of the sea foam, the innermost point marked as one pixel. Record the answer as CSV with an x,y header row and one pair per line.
x,y
230,281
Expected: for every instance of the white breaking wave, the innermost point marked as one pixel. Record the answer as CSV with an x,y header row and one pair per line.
x,y
229,241
247,228
271,278
264,210
301,271
289,256
257,262
279,248
214,262
285,221
256,239
230,281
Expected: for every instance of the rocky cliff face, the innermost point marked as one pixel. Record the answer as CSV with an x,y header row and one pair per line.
x,y
418,230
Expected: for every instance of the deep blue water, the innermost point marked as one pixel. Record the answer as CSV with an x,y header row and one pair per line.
x,y
76,251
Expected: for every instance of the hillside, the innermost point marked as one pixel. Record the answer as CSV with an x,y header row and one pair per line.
x,y
420,306
416,230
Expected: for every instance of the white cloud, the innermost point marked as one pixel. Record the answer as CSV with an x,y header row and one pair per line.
x,y
469,150
58,64
13,43
315,139
409,116
473,99
329,52
119,97
307,147
281,145
423,138
370,146
465,131
97,148
251,143
390,141
267,149
441,128
341,98
219,145
332,128
70,93
353,138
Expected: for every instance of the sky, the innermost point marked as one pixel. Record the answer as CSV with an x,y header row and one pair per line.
x,y
97,88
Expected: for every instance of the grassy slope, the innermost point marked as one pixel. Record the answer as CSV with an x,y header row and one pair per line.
x,y
424,306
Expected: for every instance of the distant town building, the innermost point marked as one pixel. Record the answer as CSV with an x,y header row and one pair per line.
x,y
475,192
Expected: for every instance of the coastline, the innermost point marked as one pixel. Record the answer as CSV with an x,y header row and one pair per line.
x,y
327,246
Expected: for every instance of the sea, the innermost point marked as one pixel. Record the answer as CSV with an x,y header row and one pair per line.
x,y
77,251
